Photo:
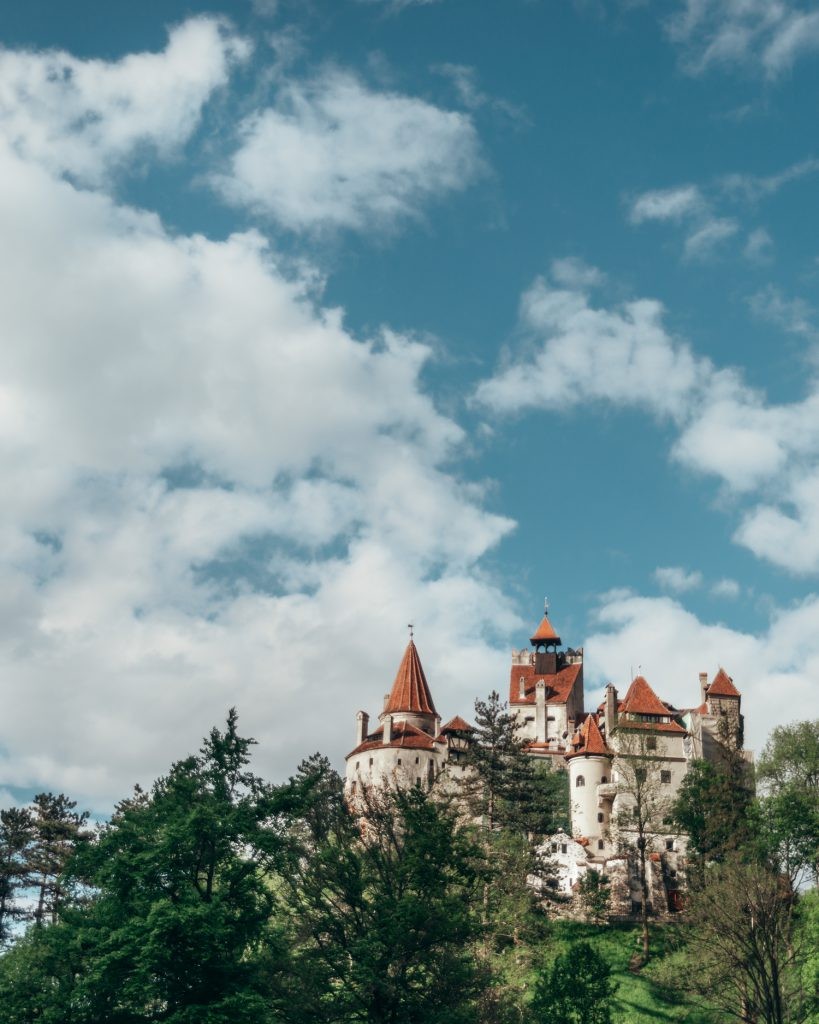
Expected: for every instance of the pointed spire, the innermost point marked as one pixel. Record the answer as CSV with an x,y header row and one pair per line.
x,y
589,740
642,700
722,685
544,634
410,691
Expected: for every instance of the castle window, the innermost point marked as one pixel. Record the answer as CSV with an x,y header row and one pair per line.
x,y
417,760
399,760
669,844
353,787
580,781
417,783
665,778
564,848
640,775
604,779
600,844
357,764
599,815
371,762
651,742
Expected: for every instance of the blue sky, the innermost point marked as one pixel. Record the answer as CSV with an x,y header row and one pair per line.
x,y
325,317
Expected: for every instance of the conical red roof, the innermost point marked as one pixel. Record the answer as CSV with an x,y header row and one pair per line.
x,y
589,739
642,700
410,691
722,686
544,633
457,724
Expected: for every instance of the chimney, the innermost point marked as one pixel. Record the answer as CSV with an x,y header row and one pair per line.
x,y
362,724
703,686
387,729
540,711
522,688
386,701
611,710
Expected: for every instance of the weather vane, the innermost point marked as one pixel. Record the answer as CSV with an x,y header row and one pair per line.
x,y
545,605
410,627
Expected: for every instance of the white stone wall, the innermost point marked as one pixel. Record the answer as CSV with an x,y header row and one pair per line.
x,y
586,773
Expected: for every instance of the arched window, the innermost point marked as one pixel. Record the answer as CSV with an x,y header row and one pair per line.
x,y
604,779
580,781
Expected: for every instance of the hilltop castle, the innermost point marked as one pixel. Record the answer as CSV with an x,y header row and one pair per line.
x,y
598,748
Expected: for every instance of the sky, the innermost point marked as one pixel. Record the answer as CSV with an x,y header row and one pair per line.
x,y
321,318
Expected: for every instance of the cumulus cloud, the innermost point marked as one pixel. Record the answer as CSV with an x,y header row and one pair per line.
x,y
214,492
85,118
623,355
726,588
774,669
677,579
576,352
334,153
667,204
767,34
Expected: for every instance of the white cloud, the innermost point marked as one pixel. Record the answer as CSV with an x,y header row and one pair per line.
x,y
776,669
767,34
702,242
214,494
574,353
87,117
759,246
677,579
581,353
673,204
726,588
793,315
572,272
334,153
399,5
753,187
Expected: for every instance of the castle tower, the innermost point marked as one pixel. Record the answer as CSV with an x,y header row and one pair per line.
x,y
546,693
590,790
407,748
723,702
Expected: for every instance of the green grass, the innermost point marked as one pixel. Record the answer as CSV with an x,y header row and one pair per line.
x,y
638,999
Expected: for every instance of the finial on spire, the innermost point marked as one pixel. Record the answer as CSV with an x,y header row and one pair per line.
x,y
545,605
411,628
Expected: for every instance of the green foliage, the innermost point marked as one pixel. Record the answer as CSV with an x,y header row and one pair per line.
x,y
16,842
595,895
575,989
384,911
713,807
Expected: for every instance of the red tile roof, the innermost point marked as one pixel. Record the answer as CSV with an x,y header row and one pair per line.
x,y
544,633
589,740
410,691
558,687
457,724
403,735
642,700
722,686
651,726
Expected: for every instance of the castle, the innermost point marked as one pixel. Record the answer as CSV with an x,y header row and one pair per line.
x,y
599,750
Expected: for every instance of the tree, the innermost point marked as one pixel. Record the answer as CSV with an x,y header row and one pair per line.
x,y
595,895
714,807
383,914
180,903
16,839
788,775
747,956
58,832
504,786
643,807
575,989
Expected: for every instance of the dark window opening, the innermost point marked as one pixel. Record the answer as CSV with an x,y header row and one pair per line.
x,y
665,778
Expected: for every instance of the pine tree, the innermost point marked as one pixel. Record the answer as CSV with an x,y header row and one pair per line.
x,y
16,840
58,832
575,989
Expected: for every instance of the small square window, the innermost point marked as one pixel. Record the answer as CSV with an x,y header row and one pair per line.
x,y
665,778
399,760
417,760
600,844
669,844
651,743
599,815
564,848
